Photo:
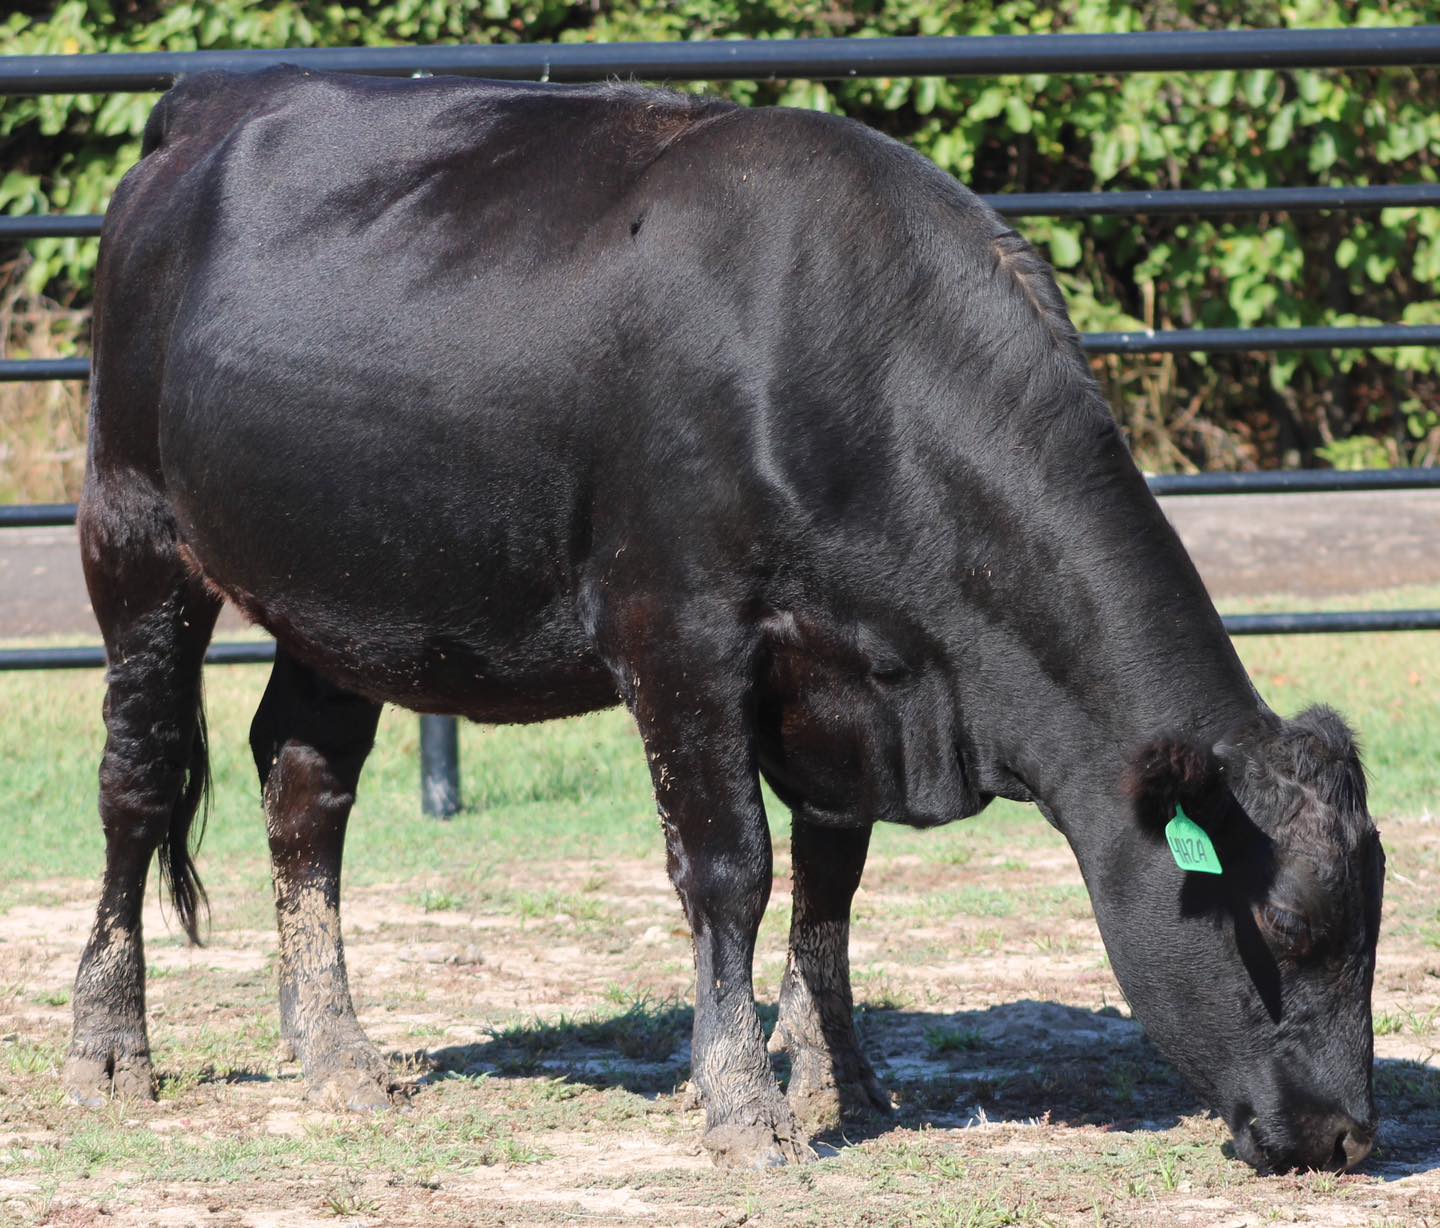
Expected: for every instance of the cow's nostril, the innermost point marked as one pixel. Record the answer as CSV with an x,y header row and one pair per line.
x,y
1340,1156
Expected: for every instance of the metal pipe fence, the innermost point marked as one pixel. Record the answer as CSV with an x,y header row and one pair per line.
x,y
1156,341
820,60
806,59
1009,204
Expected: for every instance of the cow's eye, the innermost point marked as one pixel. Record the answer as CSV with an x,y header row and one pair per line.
x,y
1288,928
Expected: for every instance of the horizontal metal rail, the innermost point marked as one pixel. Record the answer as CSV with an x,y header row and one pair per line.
x,y
36,515
22,370
1163,341
1012,204
89,657
1336,621
50,226
1331,622
1259,340
1293,481
814,59
1239,200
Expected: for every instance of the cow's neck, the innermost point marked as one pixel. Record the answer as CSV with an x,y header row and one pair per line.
x,y
1084,630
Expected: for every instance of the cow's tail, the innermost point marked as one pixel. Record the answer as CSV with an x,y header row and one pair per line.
x,y
176,854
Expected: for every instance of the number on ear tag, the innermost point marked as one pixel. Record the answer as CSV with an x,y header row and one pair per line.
x,y
1190,846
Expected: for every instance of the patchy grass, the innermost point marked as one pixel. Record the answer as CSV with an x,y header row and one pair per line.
x,y
953,1040
439,901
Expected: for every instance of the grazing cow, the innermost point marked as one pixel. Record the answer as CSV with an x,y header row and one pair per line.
x,y
519,401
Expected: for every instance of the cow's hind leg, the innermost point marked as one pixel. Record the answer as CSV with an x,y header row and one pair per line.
x,y
310,740
156,620
690,703
830,1078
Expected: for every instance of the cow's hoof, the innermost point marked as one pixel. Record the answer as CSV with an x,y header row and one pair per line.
x,y
352,1091
830,1087
820,1109
735,1146
91,1081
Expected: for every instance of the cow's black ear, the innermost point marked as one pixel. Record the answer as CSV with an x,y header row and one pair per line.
x,y
1170,772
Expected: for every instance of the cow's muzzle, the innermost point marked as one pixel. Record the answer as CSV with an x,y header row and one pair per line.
x,y
1335,1143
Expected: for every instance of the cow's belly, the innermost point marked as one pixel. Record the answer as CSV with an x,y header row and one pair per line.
x,y
397,582
527,661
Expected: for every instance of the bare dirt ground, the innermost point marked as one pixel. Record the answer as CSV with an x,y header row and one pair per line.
x,y
1244,546
545,1031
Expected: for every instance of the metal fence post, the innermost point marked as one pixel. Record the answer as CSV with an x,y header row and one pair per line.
x,y
439,766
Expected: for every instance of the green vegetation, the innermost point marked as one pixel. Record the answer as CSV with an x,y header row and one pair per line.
x,y
953,1040
580,788
1030,133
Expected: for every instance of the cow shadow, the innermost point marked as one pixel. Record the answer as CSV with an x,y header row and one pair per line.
x,y
1020,1061
1024,1060
1407,1095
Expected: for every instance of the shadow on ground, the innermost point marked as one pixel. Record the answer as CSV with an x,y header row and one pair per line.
x,y
1016,1061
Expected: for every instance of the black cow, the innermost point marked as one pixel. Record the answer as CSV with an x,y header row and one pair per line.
x,y
519,401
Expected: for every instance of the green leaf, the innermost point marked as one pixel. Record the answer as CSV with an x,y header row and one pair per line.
x,y
1017,114
1221,89
1258,82
1322,152
1282,125
1379,266
1105,156
926,91
1064,248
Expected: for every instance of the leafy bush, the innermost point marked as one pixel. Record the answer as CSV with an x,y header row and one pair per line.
x,y
1031,133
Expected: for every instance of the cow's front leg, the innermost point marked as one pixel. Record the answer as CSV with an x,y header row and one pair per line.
x,y
310,740
830,1078
693,721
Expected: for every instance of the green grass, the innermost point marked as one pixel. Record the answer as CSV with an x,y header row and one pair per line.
x,y
953,1040
580,787
640,1029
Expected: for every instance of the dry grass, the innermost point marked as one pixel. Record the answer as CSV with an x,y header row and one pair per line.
x,y
42,423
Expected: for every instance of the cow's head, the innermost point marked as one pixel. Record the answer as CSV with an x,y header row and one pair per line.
x,y
1256,982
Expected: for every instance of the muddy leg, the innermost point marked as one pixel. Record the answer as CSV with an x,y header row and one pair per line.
x,y
310,740
830,1078
156,622
693,723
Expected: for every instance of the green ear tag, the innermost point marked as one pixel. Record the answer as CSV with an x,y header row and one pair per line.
x,y
1190,845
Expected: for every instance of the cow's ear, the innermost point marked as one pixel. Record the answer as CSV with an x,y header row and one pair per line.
x,y
1171,772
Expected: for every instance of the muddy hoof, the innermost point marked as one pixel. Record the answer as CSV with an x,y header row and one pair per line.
x,y
822,1108
353,1091
91,1081
734,1146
